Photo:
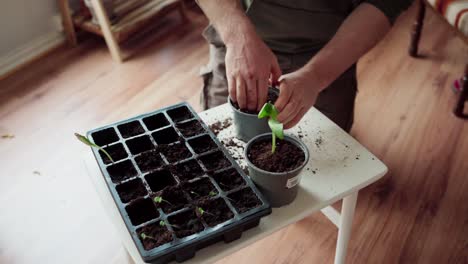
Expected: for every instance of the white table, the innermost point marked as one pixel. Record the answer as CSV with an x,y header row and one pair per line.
x,y
338,168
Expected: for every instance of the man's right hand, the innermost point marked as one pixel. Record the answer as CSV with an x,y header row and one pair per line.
x,y
250,64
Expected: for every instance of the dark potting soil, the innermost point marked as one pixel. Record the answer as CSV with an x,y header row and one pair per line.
x,y
160,179
130,129
187,170
202,144
131,190
287,156
272,97
244,200
105,137
180,114
166,136
215,161
139,144
155,121
219,126
229,179
216,211
141,210
200,189
173,199
156,235
190,128
185,224
175,152
121,171
149,161
117,152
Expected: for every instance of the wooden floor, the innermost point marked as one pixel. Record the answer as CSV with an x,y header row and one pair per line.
x,y
50,213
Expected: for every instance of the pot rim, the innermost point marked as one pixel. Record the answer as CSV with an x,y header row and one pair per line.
x,y
289,138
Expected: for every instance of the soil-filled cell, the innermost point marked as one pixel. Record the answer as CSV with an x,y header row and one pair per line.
x,y
244,200
188,170
229,179
175,152
215,161
105,137
131,190
149,161
116,151
166,136
155,121
121,171
141,211
171,199
190,128
185,224
131,129
139,144
154,235
200,189
202,144
214,212
159,180
180,114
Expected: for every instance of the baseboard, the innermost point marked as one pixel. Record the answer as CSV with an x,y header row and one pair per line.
x,y
22,55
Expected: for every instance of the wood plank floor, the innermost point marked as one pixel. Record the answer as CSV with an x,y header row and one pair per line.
x,y
50,213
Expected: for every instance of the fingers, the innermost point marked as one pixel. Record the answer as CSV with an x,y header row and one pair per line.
x,y
275,72
284,96
241,93
262,93
289,111
232,88
296,119
251,93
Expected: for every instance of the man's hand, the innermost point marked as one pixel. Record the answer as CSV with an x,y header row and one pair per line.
x,y
249,66
298,93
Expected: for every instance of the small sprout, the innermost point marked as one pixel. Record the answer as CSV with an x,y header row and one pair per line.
x,y
200,210
145,236
162,223
212,193
159,199
270,111
86,141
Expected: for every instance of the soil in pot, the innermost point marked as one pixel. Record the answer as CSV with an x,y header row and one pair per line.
x,y
160,179
180,114
139,144
215,161
121,171
166,136
105,137
185,224
287,156
200,189
156,235
190,128
149,161
187,170
141,210
244,200
173,199
155,121
202,144
131,190
272,97
229,179
215,211
131,129
175,152
116,151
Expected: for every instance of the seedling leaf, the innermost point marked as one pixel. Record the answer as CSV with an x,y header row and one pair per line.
x,y
269,110
162,223
212,193
86,141
200,210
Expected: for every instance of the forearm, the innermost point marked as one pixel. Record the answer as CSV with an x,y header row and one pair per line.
x,y
359,33
228,18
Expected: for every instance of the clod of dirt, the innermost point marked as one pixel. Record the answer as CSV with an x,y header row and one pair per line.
x,y
219,126
8,136
318,141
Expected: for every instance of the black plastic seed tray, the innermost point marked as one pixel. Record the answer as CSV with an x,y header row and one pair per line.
x,y
176,186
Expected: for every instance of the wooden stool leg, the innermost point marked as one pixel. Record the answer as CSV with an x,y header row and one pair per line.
x,y
459,108
67,22
417,29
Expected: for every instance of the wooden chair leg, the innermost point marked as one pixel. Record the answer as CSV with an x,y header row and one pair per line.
x,y
463,97
67,22
105,25
417,29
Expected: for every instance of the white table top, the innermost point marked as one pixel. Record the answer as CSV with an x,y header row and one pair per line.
x,y
338,166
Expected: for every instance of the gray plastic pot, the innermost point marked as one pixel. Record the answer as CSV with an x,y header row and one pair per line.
x,y
248,125
280,188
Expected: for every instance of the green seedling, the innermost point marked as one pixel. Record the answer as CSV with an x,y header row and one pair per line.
x,y
202,212
163,224
212,193
159,199
145,236
270,111
86,141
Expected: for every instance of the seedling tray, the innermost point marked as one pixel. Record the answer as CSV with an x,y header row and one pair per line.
x,y
171,154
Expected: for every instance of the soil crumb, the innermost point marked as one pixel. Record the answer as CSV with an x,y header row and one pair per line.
x,y
219,126
319,141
